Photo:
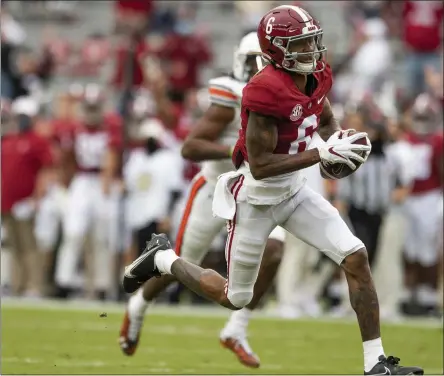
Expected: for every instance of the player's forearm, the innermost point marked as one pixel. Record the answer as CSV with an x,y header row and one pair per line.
x,y
277,164
198,150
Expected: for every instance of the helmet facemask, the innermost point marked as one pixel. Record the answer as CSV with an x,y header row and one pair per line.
x,y
292,60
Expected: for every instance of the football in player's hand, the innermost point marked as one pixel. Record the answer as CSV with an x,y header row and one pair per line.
x,y
341,170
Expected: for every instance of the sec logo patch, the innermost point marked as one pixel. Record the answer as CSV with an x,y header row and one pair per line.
x,y
296,113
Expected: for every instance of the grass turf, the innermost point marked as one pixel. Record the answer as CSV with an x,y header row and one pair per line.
x,y
40,340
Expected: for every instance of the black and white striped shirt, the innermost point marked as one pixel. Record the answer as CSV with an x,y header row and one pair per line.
x,y
370,187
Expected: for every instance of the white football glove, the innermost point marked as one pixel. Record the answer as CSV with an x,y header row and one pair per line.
x,y
342,150
349,132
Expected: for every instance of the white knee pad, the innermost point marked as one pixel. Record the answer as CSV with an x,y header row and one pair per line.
x,y
240,298
245,259
278,234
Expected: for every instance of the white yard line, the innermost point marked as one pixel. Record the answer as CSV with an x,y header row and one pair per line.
x,y
195,311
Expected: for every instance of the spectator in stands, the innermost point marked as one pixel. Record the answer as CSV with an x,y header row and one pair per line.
x,y
162,20
184,52
251,12
29,72
359,11
59,48
434,80
358,72
93,55
12,36
130,54
28,155
132,12
419,24
6,118
423,38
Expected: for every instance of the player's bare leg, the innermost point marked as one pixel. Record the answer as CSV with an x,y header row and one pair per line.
x,y
363,297
364,300
159,258
234,335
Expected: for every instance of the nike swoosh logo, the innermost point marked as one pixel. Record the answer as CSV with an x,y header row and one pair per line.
x,y
331,151
321,99
136,262
387,371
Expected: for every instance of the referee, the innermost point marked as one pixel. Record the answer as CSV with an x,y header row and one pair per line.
x,y
366,195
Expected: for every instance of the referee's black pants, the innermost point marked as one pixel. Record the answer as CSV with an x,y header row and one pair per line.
x,y
367,228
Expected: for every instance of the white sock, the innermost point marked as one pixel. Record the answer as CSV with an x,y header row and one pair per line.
x,y
164,260
137,305
372,351
237,323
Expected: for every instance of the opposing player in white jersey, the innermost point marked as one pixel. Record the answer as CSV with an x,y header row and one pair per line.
x,y
92,206
212,142
282,107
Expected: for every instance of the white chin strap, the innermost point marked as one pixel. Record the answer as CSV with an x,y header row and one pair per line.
x,y
305,68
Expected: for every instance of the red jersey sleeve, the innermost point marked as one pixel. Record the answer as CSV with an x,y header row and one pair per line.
x,y
258,97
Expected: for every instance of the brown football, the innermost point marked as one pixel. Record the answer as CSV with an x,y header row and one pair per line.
x,y
340,170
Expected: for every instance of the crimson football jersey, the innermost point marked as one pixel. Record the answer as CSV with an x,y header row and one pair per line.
x,y
90,144
272,92
428,151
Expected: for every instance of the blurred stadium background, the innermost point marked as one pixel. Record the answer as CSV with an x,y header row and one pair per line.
x,y
146,60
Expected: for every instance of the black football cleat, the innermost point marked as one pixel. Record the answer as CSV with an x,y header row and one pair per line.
x,y
143,268
390,366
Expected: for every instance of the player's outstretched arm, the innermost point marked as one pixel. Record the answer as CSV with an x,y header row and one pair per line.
x,y
328,124
262,138
201,143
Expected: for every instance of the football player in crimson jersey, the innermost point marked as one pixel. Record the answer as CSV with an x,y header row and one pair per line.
x,y
92,203
421,250
283,107
211,142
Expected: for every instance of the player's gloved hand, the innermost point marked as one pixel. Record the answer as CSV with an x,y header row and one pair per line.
x,y
347,134
342,150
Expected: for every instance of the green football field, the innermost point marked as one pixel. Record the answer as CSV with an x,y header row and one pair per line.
x,y
72,338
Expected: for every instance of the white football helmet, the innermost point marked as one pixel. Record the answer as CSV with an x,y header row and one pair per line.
x,y
248,46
